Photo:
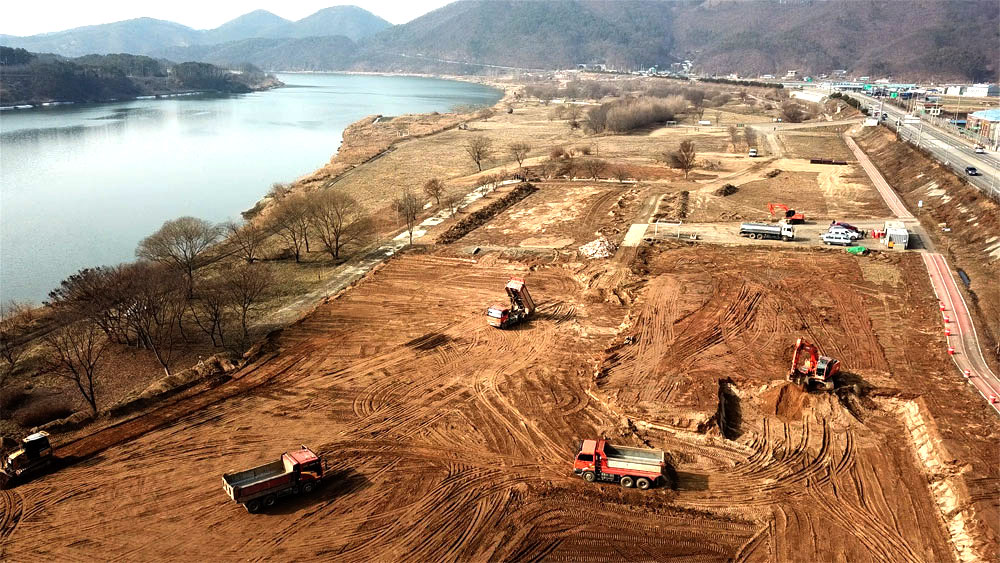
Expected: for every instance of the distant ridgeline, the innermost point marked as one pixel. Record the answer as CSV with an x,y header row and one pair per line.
x,y
31,78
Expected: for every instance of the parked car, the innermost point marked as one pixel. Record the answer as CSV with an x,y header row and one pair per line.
x,y
851,234
753,153
847,226
971,171
837,238
979,149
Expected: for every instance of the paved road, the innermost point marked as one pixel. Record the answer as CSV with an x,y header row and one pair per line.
x,y
968,354
895,204
956,153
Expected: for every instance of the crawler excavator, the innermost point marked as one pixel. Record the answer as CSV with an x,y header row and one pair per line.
x,y
521,306
810,368
791,217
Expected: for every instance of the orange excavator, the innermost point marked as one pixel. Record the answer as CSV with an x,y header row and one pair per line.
x,y
521,306
809,367
791,216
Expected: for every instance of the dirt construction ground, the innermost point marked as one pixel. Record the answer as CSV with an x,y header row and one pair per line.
x,y
450,440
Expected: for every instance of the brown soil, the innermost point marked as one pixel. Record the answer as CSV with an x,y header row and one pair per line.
x,y
786,401
451,440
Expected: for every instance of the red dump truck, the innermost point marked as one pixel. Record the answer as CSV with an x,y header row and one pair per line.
x,y
297,471
598,460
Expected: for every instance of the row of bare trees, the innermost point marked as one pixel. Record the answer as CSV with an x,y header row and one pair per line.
x,y
480,149
745,135
333,218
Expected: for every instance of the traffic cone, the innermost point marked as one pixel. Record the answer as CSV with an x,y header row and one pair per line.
x,y
993,398
947,319
947,331
967,374
941,305
951,350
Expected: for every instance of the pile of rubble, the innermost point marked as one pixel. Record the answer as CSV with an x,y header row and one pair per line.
x,y
600,248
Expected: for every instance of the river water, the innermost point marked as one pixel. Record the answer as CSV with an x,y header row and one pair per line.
x,y
80,185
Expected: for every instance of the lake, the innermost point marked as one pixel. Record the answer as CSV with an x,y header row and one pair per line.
x,y
80,185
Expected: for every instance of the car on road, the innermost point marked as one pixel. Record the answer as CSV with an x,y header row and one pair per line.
x,y
971,171
979,149
837,238
753,153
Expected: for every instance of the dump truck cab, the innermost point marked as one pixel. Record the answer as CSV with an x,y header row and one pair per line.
x,y
33,456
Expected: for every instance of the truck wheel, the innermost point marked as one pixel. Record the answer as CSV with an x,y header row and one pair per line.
x,y
642,483
589,476
628,482
269,501
253,506
308,487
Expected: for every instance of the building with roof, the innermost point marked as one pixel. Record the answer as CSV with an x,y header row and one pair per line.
x,y
986,125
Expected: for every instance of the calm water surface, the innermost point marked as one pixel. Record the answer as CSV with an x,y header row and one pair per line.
x,y
80,185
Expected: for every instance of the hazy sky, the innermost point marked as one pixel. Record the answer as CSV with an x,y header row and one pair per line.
x,y
28,18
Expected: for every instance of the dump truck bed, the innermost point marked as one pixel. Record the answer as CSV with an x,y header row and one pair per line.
x,y
634,458
245,484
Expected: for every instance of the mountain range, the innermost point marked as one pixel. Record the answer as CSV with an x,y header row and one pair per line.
x,y
927,39
148,36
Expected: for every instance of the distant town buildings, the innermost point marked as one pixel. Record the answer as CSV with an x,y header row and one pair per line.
x,y
973,90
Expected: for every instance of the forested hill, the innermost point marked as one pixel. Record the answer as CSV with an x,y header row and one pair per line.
x,y
30,78
941,40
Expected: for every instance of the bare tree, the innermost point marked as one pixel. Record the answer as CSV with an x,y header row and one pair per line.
x,y
15,319
210,311
157,313
278,191
338,219
291,221
245,286
479,148
620,173
734,136
452,200
684,157
573,114
104,295
407,206
750,136
519,151
183,244
433,189
76,351
793,112
593,167
248,237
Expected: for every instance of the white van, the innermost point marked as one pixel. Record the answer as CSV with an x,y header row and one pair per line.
x,y
837,238
849,233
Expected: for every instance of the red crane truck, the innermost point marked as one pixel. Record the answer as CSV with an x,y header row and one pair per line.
x,y
297,471
598,460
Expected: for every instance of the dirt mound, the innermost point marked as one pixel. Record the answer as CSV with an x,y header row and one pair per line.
x,y
728,189
600,248
470,223
787,402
